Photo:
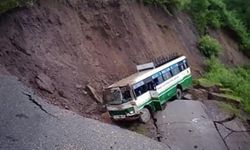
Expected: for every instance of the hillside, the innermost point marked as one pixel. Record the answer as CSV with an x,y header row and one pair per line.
x,y
70,44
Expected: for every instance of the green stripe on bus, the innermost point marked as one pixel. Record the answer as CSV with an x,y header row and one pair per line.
x,y
170,92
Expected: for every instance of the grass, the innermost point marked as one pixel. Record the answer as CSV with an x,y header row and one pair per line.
x,y
237,80
231,97
205,83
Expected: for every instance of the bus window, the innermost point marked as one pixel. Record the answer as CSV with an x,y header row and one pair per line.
x,y
181,66
166,74
141,90
151,85
185,63
126,95
175,69
157,79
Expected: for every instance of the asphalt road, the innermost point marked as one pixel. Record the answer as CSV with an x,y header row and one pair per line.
x,y
28,122
186,125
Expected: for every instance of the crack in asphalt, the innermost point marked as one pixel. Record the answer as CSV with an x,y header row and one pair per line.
x,y
224,141
37,104
221,122
159,136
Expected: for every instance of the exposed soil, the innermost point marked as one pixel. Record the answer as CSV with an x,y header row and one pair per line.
x,y
75,43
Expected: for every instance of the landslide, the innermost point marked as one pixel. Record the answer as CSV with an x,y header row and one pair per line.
x,y
69,44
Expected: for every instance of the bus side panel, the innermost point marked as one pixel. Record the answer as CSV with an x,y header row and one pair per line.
x,y
168,94
186,82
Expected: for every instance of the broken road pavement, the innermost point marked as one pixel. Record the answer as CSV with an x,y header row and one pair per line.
x,y
27,122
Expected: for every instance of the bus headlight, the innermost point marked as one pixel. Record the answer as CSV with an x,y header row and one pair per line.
x,y
131,110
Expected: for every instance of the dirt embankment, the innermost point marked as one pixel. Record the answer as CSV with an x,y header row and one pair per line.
x,y
63,46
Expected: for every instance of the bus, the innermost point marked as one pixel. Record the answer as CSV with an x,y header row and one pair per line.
x,y
147,91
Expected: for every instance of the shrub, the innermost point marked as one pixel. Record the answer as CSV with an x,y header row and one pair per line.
x,y
209,46
168,5
10,4
207,13
214,13
235,79
238,26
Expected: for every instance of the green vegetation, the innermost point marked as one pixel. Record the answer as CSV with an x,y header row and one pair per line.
x,y
233,15
168,5
241,8
209,46
205,83
215,14
230,109
6,5
237,80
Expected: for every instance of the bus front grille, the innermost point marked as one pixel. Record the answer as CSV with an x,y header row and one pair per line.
x,y
112,113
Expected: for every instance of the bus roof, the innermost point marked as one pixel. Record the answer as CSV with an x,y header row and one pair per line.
x,y
128,80
139,76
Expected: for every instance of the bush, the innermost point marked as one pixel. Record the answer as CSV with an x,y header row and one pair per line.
x,y
10,4
168,5
207,13
209,46
235,79
214,13
238,26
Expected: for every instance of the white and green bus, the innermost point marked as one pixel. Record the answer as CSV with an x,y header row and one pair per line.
x,y
148,90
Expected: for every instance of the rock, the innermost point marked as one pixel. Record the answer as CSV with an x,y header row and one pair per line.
x,y
44,83
188,96
66,107
200,94
208,85
92,92
224,98
62,94
84,92
106,118
78,86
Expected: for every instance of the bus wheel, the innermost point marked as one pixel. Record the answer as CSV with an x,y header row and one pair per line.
x,y
145,115
179,93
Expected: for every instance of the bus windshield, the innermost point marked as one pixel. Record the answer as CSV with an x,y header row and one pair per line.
x,y
118,96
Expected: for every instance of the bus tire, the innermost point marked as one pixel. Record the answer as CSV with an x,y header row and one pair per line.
x,y
145,115
179,94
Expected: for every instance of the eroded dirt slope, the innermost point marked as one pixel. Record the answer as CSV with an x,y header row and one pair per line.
x,y
73,43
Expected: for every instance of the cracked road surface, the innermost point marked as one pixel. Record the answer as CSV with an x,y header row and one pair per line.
x,y
186,125
27,122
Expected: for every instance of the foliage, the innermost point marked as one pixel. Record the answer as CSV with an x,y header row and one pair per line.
x,y
238,26
241,8
207,13
168,5
10,4
215,14
236,79
209,46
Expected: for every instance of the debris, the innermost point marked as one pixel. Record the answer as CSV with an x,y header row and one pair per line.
x,y
224,98
84,92
188,96
78,86
62,94
45,83
92,92
66,107
198,93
